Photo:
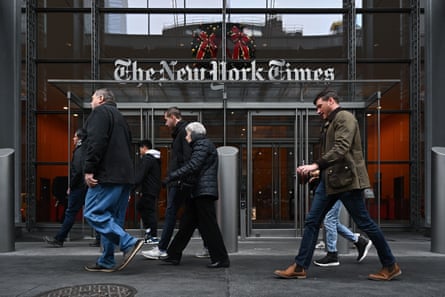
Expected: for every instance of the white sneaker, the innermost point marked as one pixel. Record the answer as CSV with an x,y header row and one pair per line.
x,y
320,245
154,254
203,254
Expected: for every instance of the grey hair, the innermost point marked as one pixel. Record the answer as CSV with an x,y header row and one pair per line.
x,y
106,93
196,128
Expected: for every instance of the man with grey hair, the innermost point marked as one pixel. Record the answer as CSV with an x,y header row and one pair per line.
x,y
109,175
200,173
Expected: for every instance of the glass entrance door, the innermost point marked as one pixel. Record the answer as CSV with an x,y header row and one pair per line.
x,y
277,142
271,163
273,186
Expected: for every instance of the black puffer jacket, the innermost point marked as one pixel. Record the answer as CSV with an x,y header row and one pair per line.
x,y
201,169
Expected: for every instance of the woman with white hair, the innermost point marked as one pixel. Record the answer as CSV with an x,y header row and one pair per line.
x,y
200,173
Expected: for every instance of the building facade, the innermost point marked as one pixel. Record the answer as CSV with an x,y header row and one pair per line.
x,y
249,72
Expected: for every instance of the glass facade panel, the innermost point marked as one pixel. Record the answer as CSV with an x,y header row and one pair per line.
x,y
394,137
51,98
51,201
397,98
383,35
394,204
237,126
286,4
63,36
64,4
199,36
152,36
312,35
386,3
161,4
52,138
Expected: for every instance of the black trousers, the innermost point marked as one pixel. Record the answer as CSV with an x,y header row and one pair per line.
x,y
199,212
147,206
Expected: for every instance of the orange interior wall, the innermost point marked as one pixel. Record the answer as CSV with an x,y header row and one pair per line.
x,y
52,146
394,143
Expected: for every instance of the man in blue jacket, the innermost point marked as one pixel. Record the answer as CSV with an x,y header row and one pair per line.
x,y
109,175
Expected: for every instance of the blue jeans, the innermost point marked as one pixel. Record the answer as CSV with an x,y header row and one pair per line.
x,y
75,203
105,208
354,203
175,200
333,227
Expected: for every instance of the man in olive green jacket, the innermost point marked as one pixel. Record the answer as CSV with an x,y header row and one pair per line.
x,y
343,177
342,157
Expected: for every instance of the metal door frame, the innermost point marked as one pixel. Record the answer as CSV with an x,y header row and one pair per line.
x,y
246,216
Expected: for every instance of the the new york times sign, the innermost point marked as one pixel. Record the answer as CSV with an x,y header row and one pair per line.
x,y
274,70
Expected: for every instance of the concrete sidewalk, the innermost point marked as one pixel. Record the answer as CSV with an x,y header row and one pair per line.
x,y
33,269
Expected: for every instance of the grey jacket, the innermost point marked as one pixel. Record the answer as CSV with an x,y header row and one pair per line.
x,y
342,163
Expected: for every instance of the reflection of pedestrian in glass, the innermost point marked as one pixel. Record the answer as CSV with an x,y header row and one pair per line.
x,y
200,174
76,191
109,175
148,177
343,176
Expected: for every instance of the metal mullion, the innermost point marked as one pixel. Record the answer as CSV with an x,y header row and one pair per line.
x,y
95,41
415,117
31,129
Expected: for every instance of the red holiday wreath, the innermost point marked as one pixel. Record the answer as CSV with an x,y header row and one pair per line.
x,y
207,39
243,45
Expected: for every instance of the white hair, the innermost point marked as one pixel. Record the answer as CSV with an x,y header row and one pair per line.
x,y
196,128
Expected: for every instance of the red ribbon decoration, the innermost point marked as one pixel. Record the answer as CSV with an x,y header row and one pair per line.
x,y
208,44
240,41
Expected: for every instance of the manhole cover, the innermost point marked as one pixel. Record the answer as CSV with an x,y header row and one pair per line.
x,y
91,290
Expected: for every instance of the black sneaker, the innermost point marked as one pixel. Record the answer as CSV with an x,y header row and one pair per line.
x,y
331,259
97,268
53,242
171,261
363,245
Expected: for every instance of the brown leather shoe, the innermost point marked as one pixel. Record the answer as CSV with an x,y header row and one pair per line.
x,y
386,273
292,271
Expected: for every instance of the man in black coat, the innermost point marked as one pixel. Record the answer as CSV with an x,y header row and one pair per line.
x,y
76,191
200,173
109,175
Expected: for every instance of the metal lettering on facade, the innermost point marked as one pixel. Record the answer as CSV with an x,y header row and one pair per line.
x,y
278,70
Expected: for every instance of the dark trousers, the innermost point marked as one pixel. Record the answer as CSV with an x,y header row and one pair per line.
x,y
175,199
76,199
354,203
147,206
199,213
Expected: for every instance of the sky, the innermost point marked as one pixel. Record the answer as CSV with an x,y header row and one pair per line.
x,y
309,24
